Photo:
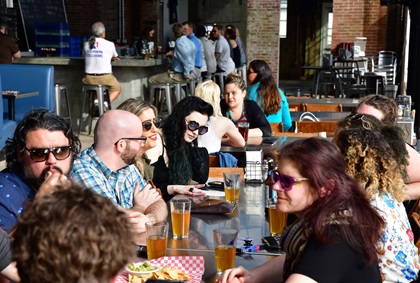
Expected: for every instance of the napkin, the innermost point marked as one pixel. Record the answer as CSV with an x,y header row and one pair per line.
x,y
193,265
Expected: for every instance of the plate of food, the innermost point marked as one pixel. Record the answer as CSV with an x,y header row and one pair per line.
x,y
142,268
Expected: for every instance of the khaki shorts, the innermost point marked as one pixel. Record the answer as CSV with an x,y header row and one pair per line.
x,y
108,80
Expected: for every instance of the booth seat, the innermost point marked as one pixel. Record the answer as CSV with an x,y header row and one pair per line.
x,y
28,78
7,127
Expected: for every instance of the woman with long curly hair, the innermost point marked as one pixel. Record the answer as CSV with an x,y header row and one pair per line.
x,y
182,161
333,240
377,158
262,88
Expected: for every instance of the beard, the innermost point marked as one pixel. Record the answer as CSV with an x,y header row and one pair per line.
x,y
36,181
129,156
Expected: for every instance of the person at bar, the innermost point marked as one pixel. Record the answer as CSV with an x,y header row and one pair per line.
x,y
9,50
334,238
99,53
239,109
262,88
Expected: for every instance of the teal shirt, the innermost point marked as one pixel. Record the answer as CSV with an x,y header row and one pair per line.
x,y
283,115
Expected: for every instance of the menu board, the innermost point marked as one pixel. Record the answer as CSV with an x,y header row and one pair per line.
x,y
33,11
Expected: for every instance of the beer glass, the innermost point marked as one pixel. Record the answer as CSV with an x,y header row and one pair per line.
x,y
156,239
180,214
276,218
225,248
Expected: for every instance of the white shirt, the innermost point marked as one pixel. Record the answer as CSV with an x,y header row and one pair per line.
x,y
224,62
98,59
209,139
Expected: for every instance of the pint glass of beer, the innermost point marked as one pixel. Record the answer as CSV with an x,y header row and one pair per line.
x,y
232,182
156,239
276,218
180,214
225,248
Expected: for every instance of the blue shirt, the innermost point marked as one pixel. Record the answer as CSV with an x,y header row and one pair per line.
x,y
198,63
184,56
91,172
14,195
283,115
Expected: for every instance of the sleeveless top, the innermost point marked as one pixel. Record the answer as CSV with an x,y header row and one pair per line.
x,y
209,139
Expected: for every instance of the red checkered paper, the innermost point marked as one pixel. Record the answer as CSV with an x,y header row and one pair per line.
x,y
193,265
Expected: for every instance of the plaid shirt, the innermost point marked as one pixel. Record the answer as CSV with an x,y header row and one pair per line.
x,y
91,172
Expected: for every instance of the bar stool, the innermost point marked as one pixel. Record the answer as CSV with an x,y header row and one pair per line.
x,y
242,71
102,92
60,91
167,87
219,79
192,84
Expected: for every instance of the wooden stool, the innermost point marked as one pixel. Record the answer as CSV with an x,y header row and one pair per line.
x,y
60,91
102,92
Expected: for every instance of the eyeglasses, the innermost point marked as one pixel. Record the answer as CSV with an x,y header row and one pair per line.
x,y
148,124
193,126
41,154
142,139
365,122
286,182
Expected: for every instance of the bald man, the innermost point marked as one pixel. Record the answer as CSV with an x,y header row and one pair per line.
x,y
107,168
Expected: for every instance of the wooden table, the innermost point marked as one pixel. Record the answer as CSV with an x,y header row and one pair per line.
x,y
11,96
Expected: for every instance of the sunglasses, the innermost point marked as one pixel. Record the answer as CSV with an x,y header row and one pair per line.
x,y
355,120
148,124
250,72
286,182
41,154
142,139
193,126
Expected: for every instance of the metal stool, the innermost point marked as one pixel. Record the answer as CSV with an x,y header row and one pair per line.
x,y
102,92
60,91
219,79
167,87
192,84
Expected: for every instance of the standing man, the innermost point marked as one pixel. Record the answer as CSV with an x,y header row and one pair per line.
x,y
183,60
37,159
225,63
107,167
200,62
99,53
208,52
9,50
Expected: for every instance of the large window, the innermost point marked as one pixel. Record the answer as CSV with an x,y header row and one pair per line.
x,y
283,19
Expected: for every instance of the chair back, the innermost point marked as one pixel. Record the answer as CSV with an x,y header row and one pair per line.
x,y
316,127
276,128
386,61
217,172
323,107
214,161
296,107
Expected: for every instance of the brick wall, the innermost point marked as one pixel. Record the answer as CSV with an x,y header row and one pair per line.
x,y
353,18
263,32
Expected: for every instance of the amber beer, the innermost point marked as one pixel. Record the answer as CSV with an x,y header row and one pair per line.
x,y
277,220
232,194
156,246
180,223
225,257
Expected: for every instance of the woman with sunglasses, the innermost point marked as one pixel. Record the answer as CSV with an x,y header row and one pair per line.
x,y
239,109
153,146
262,88
221,129
376,156
333,241
182,162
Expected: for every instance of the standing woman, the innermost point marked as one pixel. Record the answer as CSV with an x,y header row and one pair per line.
x,y
333,241
239,109
262,88
182,161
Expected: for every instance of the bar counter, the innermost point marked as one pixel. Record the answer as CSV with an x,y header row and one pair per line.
x,y
132,74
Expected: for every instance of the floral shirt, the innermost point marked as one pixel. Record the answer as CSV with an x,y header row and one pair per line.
x,y
398,258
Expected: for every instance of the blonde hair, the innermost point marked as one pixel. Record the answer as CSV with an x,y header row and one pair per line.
x,y
235,78
209,91
137,106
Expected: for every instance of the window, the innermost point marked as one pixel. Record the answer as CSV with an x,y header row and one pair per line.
x,y
283,19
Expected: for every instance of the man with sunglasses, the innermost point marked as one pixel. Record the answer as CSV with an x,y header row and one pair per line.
x,y
38,158
107,167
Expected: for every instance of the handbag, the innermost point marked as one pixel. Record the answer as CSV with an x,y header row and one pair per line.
x,y
213,206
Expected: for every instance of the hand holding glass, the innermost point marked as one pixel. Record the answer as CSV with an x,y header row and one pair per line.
x,y
156,239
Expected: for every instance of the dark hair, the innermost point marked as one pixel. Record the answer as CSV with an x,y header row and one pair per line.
x,y
386,105
201,31
321,162
145,33
231,33
35,120
235,78
219,27
173,129
72,236
267,91
190,24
